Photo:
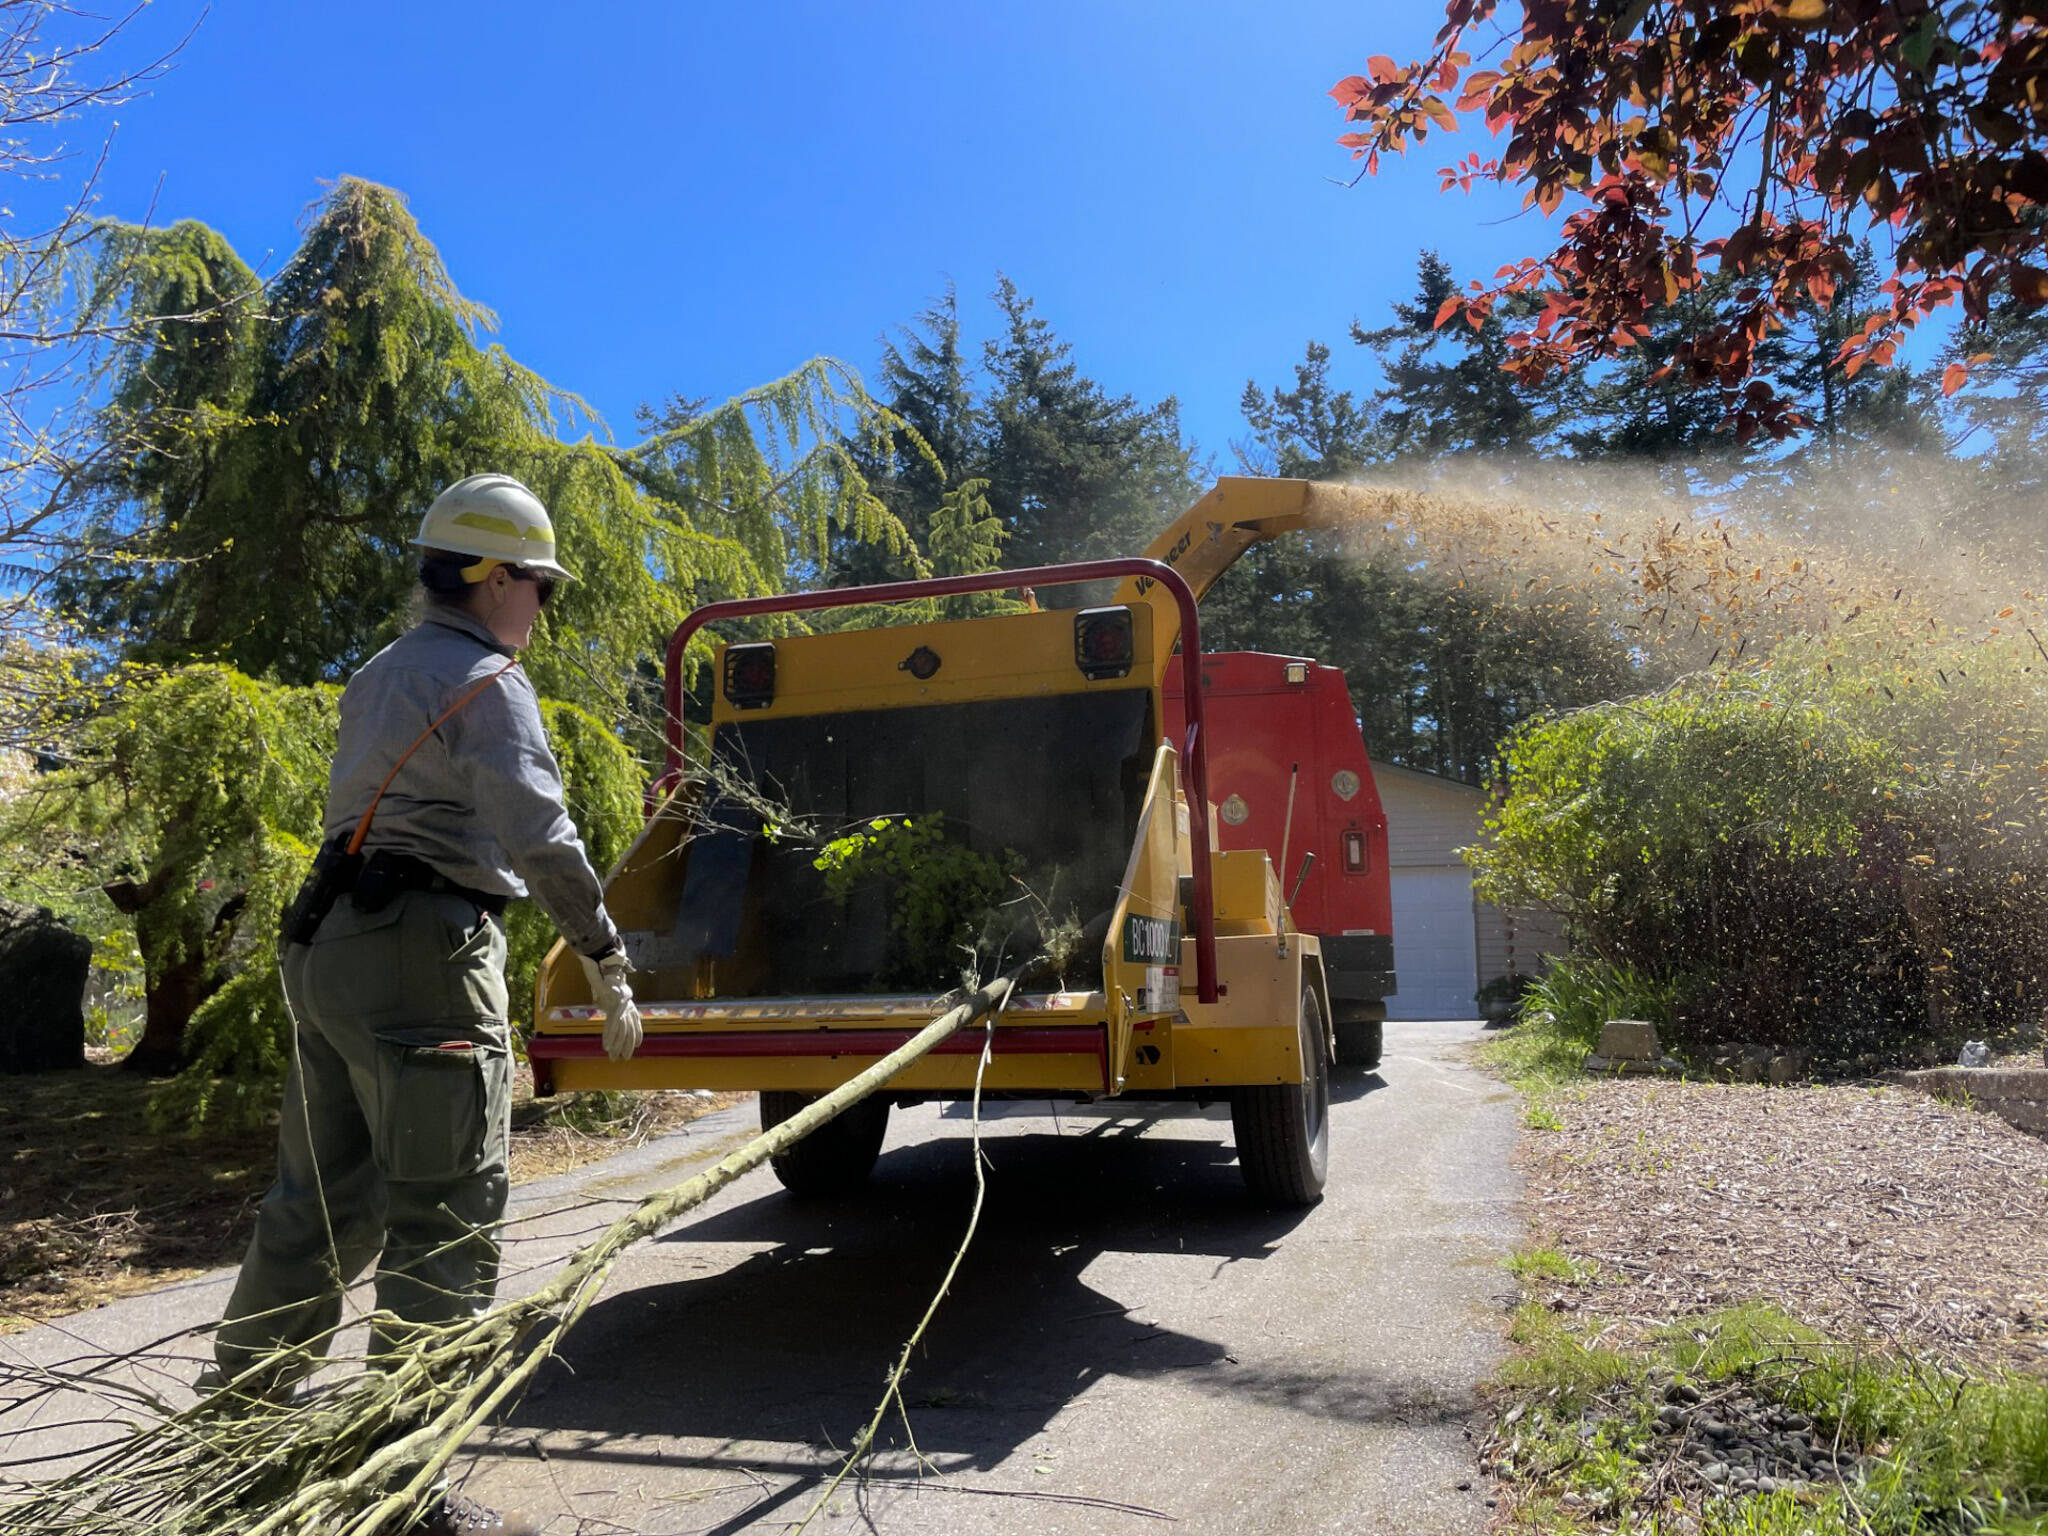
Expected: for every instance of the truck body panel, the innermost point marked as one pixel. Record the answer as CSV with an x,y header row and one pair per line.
x,y
1285,742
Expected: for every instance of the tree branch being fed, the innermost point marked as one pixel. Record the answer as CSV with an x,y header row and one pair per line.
x,y
366,1459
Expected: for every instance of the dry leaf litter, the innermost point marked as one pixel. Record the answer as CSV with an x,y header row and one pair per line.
x,y
1871,1213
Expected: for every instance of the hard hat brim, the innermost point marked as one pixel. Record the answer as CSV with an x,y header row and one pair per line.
x,y
546,568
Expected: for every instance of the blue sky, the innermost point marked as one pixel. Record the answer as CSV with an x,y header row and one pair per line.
x,y
663,199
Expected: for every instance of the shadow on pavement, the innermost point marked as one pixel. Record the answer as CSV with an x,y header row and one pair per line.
x,y
1350,1083
791,1345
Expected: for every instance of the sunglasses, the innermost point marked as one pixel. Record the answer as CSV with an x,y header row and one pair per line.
x,y
546,584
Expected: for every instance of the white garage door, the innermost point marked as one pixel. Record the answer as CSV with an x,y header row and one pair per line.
x,y
1435,944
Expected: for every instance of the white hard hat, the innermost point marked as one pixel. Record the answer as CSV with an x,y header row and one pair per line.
x,y
495,518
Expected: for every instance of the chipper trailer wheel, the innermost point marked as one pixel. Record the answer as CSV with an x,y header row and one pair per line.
x,y
1283,1131
838,1156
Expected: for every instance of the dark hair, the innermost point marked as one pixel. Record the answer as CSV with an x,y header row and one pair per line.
x,y
441,573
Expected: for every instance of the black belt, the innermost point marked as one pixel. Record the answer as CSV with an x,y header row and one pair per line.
x,y
384,874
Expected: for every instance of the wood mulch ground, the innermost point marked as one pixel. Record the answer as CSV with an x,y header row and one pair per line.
x,y
1869,1212
95,1206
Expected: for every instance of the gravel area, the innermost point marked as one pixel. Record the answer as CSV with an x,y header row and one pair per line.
x,y
1868,1212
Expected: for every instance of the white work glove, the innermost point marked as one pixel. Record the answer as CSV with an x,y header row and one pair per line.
x,y
608,990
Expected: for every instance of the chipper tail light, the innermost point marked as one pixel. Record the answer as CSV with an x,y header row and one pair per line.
x,y
1354,853
750,676
1103,642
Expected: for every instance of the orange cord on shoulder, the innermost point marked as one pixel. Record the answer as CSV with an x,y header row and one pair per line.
x,y
355,842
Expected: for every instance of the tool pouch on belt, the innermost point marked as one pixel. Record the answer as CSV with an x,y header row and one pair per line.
x,y
379,881
334,870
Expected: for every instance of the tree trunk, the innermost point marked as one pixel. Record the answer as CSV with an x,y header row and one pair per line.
x,y
173,997
175,989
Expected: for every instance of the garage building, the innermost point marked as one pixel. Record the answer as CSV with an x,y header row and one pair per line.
x,y
1446,941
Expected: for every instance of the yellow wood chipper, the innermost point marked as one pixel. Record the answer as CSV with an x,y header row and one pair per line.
x,y
873,812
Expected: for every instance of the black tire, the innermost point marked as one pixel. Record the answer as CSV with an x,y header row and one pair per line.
x,y
838,1156
1283,1131
1361,1032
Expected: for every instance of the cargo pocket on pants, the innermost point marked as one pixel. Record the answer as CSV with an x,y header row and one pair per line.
x,y
454,963
432,1109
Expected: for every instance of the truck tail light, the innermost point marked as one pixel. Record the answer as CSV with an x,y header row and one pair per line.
x,y
1354,853
1103,643
750,676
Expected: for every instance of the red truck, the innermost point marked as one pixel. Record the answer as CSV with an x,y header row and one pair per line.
x,y
1288,772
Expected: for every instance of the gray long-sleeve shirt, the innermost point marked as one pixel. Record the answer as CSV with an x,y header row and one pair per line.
x,y
481,800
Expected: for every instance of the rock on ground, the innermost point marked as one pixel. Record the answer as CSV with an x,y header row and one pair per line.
x,y
43,967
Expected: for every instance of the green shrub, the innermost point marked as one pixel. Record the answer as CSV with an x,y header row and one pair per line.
x,y
1582,994
187,814
1559,1020
1801,857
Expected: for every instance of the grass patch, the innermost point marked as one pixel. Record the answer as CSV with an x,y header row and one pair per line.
x,y
1560,1362
1968,1452
1905,1446
1543,1263
1537,1057
1537,1115
1538,1053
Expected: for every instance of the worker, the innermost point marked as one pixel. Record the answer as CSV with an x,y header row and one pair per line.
x,y
397,1107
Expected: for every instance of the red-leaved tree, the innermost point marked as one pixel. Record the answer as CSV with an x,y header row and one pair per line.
x,y
1762,138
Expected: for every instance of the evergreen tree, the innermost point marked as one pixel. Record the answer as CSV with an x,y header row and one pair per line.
x,y
1447,390
924,381
266,521
1883,404
1031,464
1074,473
1311,432
1872,435
266,513
2000,418
965,539
1437,676
1650,405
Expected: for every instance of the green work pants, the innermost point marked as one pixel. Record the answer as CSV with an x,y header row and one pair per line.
x,y
394,1141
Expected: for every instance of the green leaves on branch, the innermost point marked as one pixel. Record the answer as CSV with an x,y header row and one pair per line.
x,y
942,894
193,811
776,471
